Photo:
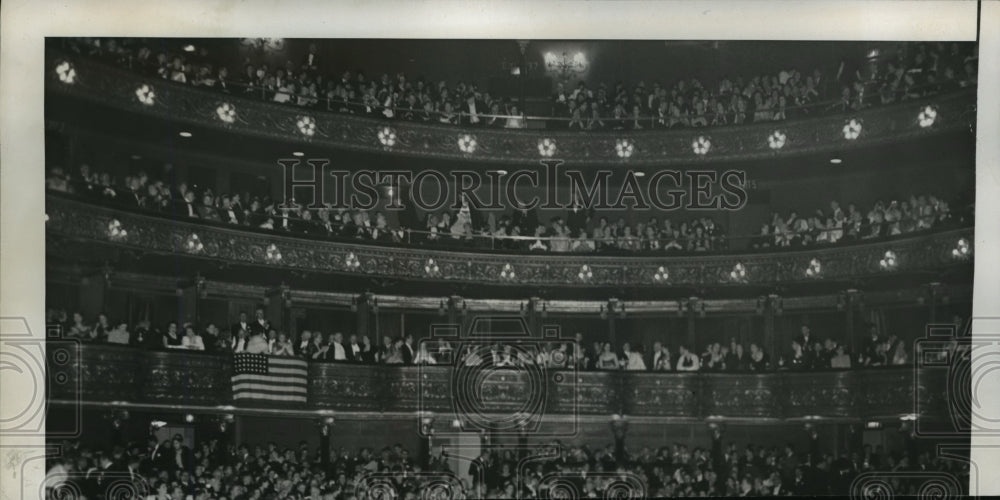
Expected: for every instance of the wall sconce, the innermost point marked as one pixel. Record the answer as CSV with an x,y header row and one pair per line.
x,y
565,65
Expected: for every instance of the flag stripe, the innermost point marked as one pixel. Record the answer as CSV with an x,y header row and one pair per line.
x,y
270,379
270,397
249,386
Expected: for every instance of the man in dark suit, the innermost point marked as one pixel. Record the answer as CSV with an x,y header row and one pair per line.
x,y
408,352
242,324
229,213
259,326
525,219
185,206
136,197
578,216
805,338
181,458
870,349
353,349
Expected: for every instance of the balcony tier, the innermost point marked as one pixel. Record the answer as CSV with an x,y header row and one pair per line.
x,y
120,89
80,221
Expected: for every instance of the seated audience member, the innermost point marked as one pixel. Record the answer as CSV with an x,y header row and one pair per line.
x,y
145,337
395,354
319,350
78,329
353,349
840,360
633,359
191,339
283,346
737,360
119,335
423,357
607,359
337,351
899,355
798,360
305,341
171,339
407,350
257,344
214,342
713,358
507,358
367,354
758,359
687,361
660,361
383,350
100,331
240,341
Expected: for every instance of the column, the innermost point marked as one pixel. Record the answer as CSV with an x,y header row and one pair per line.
x,y
363,317
690,336
851,303
92,290
770,339
276,304
187,296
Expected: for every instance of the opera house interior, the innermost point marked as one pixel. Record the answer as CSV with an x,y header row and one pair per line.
x,y
768,293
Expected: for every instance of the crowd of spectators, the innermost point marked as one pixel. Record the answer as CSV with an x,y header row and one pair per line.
x,y
908,71
257,335
216,469
580,230
918,213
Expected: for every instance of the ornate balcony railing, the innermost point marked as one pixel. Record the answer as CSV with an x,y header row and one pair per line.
x,y
125,90
103,373
78,220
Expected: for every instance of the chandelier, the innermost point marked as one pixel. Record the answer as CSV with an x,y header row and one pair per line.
x,y
565,65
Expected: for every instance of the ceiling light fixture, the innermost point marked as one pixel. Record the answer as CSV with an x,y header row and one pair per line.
x,y
185,134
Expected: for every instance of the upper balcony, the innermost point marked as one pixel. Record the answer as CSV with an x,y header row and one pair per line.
x,y
111,87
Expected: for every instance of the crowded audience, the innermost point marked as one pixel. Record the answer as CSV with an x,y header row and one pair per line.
x,y
580,230
214,468
907,71
257,335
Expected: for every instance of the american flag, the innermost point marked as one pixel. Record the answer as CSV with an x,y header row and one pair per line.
x,y
259,377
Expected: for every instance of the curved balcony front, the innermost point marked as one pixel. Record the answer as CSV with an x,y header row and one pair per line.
x,y
156,234
120,89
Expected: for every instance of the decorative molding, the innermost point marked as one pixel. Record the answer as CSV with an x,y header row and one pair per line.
x,y
75,220
132,376
118,88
